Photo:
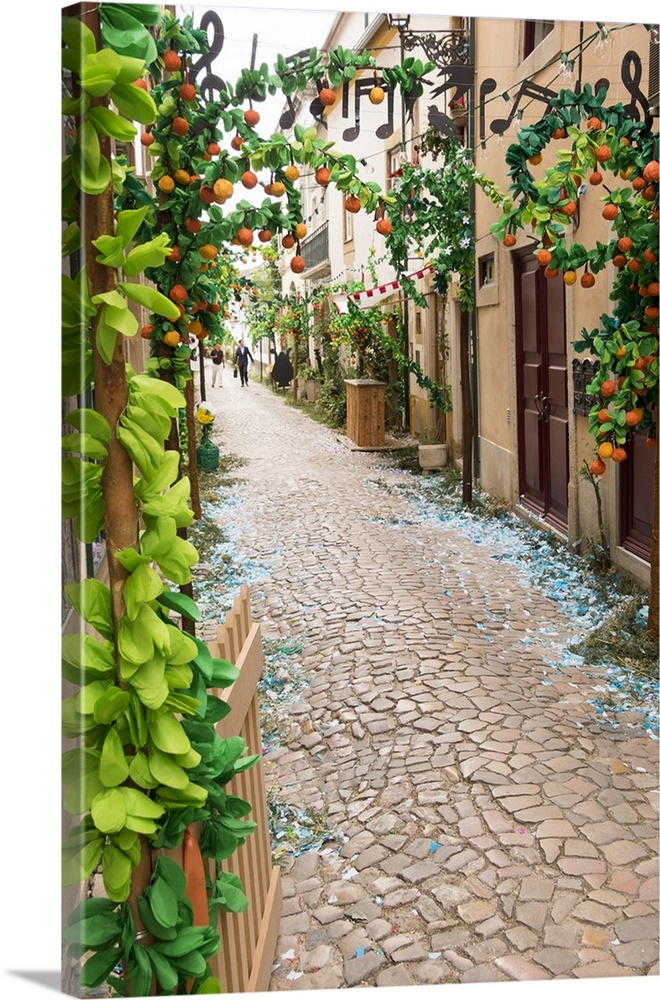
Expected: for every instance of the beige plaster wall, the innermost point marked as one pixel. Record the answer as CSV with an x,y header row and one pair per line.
x,y
498,49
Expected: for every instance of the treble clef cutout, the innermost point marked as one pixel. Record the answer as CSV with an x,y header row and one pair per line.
x,y
631,82
211,82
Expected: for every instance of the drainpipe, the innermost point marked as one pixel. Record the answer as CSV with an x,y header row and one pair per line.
x,y
473,314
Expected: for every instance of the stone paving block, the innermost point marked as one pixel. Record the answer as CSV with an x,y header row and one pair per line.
x,y
372,856
315,959
423,870
476,910
581,866
482,974
486,951
622,852
522,938
519,968
536,888
594,913
532,914
356,939
552,828
357,970
344,892
297,923
497,822
400,897
415,952
458,862
605,833
637,954
428,909
395,975
601,970
338,929
636,929
378,929
490,927
450,896
291,904
452,938
432,971
386,883
556,960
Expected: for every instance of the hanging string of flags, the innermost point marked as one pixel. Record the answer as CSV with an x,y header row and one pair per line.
x,y
372,296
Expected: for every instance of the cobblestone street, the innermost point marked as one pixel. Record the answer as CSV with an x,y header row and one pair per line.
x,y
487,825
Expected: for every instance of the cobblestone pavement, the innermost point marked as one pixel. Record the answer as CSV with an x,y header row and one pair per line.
x,y
487,826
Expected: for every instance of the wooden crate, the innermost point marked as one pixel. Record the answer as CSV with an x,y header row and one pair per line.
x,y
365,412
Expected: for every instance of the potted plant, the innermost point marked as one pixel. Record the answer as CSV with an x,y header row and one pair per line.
x,y
431,451
312,382
208,453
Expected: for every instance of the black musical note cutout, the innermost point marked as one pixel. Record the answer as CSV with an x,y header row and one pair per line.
x,y
487,87
602,84
288,116
211,82
385,131
527,89
360,87
631,83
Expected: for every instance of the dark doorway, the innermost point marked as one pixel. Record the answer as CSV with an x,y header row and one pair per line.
x,y
636,495
542,391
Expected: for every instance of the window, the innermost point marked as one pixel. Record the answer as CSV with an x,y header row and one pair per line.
x,y
486,270
393,166
533,34
348,226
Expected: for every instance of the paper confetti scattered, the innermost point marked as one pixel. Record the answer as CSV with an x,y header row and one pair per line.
x,y
434,846
359,952
288,955
349,873
435,954
294,975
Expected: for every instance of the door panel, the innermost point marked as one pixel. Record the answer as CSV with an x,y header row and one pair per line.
x,y
533,446
543,391
636,485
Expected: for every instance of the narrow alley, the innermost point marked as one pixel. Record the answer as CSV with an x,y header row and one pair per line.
x,y
484,823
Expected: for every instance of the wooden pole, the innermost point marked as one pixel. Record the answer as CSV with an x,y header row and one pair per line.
x,y
653,623
119,509
466,400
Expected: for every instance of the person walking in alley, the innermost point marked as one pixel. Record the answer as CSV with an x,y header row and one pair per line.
x,y
243,356
218,359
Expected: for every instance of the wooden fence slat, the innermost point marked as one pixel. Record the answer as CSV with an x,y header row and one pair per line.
x,y
270,924
248,939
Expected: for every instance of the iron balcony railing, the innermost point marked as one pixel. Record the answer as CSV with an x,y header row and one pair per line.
x,y
315,248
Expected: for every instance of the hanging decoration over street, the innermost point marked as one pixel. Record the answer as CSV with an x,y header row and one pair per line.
x,y
373,296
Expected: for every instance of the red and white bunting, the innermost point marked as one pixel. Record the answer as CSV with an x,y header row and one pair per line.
x,y
372,296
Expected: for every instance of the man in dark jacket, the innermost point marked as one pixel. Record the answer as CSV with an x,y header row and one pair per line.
x,y
243,356
218,359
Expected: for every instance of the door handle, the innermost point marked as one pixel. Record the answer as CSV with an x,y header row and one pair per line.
x,y
542,404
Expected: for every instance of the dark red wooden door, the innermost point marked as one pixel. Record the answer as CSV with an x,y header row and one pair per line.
x,y
542,391
636,492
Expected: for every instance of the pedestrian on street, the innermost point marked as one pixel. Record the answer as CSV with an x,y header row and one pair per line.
x,y
243,356
218,359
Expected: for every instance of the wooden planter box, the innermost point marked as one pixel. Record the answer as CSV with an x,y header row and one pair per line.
x,y
365,412
312,386
432,456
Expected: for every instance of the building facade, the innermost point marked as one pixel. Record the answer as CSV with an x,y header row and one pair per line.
x,y
492,76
